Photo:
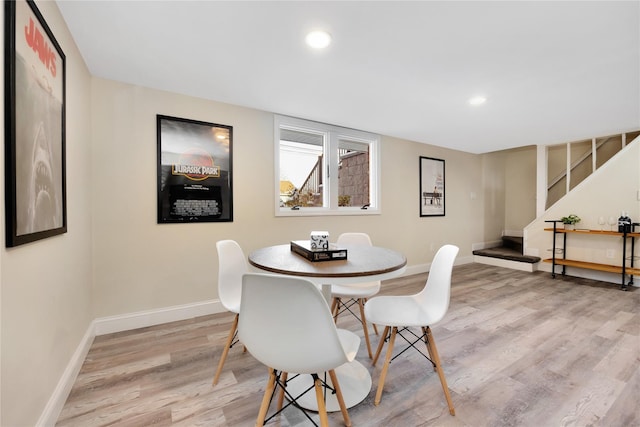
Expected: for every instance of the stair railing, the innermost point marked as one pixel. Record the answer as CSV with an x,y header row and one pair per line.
x,y
572,165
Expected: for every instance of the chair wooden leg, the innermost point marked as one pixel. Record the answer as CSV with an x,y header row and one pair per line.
x,y
436,359
266,399
380,345
335,308
283,380
343,407
322,409
387,360
375,328
232,333
426,341
364,326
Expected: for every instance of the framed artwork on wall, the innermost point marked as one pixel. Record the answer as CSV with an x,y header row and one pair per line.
x,y
35,175
194,171
432,190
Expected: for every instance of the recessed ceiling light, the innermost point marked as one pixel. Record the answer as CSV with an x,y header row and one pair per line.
x,y
477,100
318,39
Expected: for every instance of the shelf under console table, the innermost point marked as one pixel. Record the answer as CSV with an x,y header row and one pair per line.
x,y
623,269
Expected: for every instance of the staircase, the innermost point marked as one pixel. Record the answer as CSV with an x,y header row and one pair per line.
x,y
580,159
508,255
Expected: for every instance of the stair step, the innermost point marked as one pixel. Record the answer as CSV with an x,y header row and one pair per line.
x,y
512,242
507,253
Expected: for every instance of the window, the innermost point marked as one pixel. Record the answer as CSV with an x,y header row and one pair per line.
x,y
325,170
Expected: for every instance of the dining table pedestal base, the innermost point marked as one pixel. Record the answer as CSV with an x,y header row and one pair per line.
x,y
355,383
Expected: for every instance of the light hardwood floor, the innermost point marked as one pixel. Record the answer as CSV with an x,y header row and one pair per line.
x,y
518,349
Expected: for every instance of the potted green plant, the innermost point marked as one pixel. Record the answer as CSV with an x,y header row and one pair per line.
x,y
570,221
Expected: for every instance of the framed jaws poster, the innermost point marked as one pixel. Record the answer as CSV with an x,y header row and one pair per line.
x,y
35,177
194,171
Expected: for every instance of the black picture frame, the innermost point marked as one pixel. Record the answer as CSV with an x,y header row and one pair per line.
x,y
432,188
195,171
35,110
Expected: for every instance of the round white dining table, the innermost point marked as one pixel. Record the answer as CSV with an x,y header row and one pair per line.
x,y
363,264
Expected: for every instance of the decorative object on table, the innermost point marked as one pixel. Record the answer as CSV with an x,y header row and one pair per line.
x,y
624,223
570,221
432,194
304,249
35,105
319,240
194,171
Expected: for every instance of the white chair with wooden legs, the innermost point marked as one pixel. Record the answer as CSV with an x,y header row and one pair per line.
x,y
399,313
286,325
232,264
344,297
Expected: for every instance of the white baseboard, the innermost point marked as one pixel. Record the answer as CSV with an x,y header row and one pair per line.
x,y
499,262
424,268
463,260
56,402
142,319
111,324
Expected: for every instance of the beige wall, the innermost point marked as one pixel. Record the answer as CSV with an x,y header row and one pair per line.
x,y
142,265
493,196
115,259
520,188
45,285
509,192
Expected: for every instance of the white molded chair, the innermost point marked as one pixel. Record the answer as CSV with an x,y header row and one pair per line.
x,y
232,265
346,296
286,325
399,313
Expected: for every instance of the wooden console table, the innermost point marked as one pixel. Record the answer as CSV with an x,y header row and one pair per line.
x,y
623,270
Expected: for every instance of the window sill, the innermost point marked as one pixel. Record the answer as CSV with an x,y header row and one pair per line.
x,y
325,212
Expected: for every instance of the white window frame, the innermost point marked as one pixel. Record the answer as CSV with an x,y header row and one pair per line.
x,y
334,134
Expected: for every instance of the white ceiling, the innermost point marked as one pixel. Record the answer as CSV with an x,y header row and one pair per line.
x,y
551,71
